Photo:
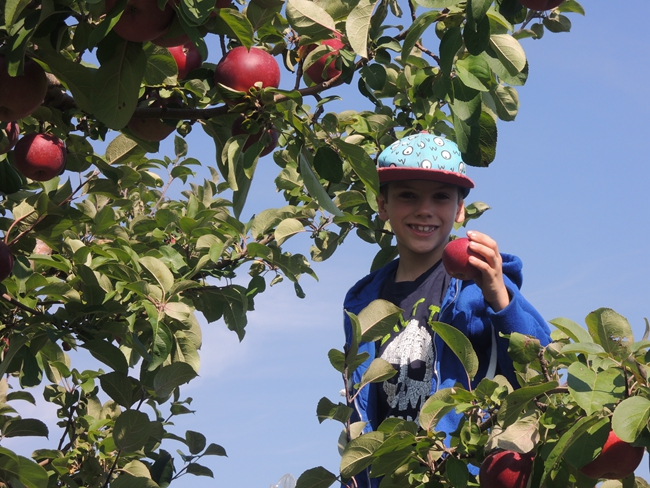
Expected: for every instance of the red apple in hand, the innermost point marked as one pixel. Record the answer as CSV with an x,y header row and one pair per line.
x,y
455,259
240,69
142,20
6,261
506,469
187,58
237,129
540,5
40,157
21,95
324,69
12,131
617,460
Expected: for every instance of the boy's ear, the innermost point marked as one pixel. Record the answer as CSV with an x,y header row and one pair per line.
x,y
381,205
460,213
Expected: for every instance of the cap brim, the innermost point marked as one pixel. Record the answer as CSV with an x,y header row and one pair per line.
x,y
400,174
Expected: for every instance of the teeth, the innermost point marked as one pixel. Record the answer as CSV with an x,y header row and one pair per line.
x,y
423,228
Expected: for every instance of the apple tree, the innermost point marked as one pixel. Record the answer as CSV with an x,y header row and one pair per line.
x,y
101,255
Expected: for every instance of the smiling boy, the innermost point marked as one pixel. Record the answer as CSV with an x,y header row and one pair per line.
x,y
423,187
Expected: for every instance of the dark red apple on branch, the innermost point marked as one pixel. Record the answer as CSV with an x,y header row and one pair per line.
x,y
153,129
21,95
506,469
142,20
40,157
455,259
272,133
617,460
6,261
11,133
540,5
187,58
324,69
240,69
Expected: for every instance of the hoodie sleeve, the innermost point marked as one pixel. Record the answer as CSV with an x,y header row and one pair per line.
x,y
473,315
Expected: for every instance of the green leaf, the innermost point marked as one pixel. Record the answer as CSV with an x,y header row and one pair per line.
x,y
160,272
509,52
378,319
195,441
26,471
460,345
523,349
317,477
288,228
326,409
171,377
337,359
378,371
199,470
315,188
568,438
415,31
611,330
25,427
572,329
215,450
506,101
361,163
308,18
21,395
127,481
117,84
119,387
131,431
357,26
435,407
108,354
358,454
78,79
517,401
630,418
239,24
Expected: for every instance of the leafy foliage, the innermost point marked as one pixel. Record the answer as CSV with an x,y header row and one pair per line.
x,y
571,393
108,263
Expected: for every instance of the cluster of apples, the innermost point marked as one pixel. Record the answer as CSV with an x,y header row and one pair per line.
x,y
510,469
40,157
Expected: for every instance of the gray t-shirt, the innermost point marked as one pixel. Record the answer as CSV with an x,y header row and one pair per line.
x,y
410,346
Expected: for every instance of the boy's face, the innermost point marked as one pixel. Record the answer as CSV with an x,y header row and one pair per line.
x,y
422,215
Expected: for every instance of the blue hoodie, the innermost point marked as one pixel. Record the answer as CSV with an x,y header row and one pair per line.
x,y
465,308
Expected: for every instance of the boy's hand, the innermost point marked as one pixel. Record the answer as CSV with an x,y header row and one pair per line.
x,y
491,279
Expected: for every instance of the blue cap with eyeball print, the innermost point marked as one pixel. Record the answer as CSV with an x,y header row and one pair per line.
x,y
424,156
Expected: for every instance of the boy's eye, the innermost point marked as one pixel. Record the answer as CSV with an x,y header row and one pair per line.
x,y
406,194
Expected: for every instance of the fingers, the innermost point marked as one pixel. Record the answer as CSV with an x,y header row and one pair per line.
x,y
487,249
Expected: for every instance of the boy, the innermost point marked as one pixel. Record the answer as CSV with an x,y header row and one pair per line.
x,y
423,187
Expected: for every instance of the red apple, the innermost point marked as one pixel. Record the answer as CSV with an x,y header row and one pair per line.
x,y
40,157
319,72
21,95
6,261
240,69
151,129
223,3
455,258
187,58
12,131
142,20
506,469
540,5
237,129
617,460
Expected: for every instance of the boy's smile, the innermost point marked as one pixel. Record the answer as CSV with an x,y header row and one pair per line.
x,y
421,214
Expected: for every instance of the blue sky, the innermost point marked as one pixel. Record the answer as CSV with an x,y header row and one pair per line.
x,y
567,192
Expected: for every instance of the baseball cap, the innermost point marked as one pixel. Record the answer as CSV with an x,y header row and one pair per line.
x,y
424,156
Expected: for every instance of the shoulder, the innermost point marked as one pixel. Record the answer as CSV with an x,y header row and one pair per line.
x,y
367,288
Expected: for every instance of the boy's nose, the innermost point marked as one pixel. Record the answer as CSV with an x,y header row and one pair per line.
x,y
424,208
